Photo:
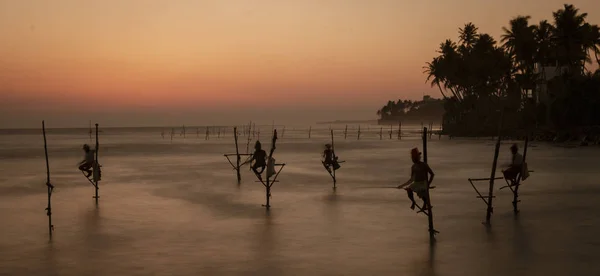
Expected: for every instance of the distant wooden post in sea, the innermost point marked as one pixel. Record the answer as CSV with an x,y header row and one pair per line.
x,y
49,185
346,132
381,133
391,132
309,130
358,137
399,130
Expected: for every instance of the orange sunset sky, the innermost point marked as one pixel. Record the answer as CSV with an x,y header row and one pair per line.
x,y
195,62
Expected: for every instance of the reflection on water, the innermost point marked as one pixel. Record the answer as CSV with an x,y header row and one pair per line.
x,y
176,209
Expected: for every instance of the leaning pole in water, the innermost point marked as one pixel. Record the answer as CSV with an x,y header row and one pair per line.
x,y
237,165
271,171
48,184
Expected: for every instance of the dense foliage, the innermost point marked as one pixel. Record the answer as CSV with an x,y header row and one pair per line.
x,y
412,110
535,77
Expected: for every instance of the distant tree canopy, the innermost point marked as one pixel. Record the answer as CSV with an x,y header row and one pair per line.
x,y
428,108
536,77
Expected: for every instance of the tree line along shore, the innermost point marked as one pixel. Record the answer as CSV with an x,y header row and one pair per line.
x,y
540,80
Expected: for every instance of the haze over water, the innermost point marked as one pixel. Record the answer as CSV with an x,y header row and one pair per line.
x,y
174,208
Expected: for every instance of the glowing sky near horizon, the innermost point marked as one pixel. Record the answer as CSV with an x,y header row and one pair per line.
x,y
153,62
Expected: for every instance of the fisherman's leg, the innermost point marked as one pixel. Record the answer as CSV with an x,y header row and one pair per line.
x,y
425,202
327,166
86,167
256,172
411,196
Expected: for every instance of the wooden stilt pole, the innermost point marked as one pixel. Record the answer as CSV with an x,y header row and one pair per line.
x,y
518,183
391,132
430,129
48,184
399,130
269,183
490,197
432,231
346,132
172,133
333,153
96,166
381,133
309,130
237,154
249,138
358,137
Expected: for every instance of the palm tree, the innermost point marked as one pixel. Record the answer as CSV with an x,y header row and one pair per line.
x,y
569,38
433,71
592,41
520,43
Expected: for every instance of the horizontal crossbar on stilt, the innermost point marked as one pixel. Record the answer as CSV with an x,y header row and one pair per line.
x,y
486,196
483,179
269,181
241,154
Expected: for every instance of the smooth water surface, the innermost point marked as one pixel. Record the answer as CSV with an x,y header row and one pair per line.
x,y
174,208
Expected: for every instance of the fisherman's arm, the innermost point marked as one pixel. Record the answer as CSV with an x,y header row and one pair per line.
x,y
431,174
411,180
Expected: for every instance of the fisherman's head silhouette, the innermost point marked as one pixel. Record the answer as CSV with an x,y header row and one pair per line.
x,y
514,148
257,146
415,155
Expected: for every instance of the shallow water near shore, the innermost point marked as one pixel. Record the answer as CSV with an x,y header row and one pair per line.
x,y
174,208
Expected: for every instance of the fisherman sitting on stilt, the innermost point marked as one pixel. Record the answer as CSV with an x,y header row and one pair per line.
x,y
418,181
515,167
259,157
330,160
87,163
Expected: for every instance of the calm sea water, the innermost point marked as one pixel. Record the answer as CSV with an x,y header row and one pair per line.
x,y
174,208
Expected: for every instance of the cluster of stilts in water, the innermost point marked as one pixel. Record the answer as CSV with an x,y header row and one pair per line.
x,y
252,131
265,162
